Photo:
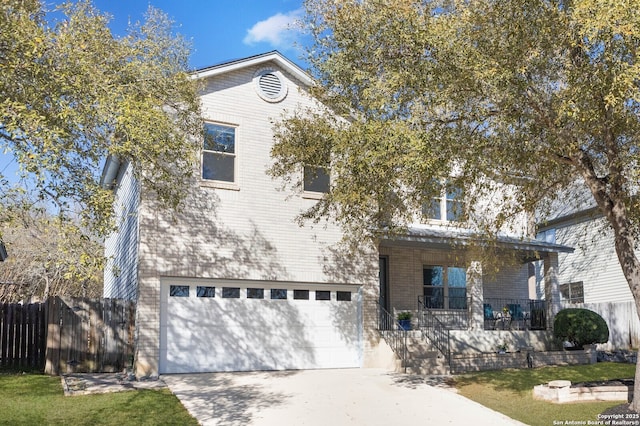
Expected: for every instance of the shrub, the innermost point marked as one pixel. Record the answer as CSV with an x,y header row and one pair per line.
x,y
580,327
404,316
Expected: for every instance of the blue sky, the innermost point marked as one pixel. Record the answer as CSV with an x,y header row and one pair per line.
x,y
219,30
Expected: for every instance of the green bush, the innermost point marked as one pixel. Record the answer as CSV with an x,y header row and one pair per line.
x,y
580,327
404,316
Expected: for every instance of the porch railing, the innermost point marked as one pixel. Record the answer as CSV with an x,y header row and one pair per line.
x,y
435,331
393,333
514,314
453,312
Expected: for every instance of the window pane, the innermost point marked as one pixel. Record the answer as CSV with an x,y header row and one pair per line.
x,y
456,277
433,210
434,297
343,296
301,294
255,293
323,295
206,291
219,138
179,291
457,298
432,275
454,211
454,204
278,293
218,166
231,292
316,179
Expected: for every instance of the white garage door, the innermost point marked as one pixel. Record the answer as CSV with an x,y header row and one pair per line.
x,y
207,326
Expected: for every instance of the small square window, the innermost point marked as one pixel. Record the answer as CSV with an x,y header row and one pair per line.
x,y
316,179
231,292
179,291
323,295
206,291
255,293
278,293
343,296
301,294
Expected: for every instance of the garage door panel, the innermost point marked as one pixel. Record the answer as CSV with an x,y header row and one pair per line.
x,y
219,334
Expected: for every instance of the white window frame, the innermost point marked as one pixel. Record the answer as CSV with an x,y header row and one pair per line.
x,y
221,183
307,193
444,200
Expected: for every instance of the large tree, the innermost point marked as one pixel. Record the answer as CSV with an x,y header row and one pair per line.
x,y
50,255
72,94
542,96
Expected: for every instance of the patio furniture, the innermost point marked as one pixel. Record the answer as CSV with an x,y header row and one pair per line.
x,y
517,315
489,317
504,318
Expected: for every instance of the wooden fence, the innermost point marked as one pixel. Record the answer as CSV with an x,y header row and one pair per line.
x,y
23,335
65,335
622,320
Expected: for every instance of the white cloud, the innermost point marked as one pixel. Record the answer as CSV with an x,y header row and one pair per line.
x,y
277,30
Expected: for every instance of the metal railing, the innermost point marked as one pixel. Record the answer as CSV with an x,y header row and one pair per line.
x,y
393,333
436,332
514,314
453,312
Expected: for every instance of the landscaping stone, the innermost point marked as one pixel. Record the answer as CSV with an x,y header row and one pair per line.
x,y
621,355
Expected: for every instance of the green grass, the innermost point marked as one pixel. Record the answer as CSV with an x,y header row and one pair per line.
x,y
511,391
36,399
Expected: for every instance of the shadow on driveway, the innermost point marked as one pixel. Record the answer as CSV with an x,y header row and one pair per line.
x,y
226,398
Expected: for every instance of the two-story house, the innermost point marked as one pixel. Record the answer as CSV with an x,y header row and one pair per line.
x,y
233,283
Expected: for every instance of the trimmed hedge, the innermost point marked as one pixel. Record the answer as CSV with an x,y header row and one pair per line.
x,y
580,327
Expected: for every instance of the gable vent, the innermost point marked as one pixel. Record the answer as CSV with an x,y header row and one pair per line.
x,y
270,85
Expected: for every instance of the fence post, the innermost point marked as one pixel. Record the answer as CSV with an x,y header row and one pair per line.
x,y
52,353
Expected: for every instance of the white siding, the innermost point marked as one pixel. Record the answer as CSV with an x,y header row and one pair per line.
x,y
594,262
121,247
249,232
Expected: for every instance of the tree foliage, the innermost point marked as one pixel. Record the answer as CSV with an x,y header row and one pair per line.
x,y
540,96
72,94
536,95
49,255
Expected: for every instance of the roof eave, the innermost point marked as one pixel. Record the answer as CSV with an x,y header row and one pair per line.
x,y
274,56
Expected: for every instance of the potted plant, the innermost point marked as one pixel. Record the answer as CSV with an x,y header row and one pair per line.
x,y
404,318
502,349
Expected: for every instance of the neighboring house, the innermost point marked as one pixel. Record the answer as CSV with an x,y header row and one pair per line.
x,y
233,283
591,276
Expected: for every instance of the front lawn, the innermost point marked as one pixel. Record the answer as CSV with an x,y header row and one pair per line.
x,y
511,391
36,399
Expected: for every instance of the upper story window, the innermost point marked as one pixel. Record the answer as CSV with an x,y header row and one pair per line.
x,y
316,179
219,153
449,207
548,236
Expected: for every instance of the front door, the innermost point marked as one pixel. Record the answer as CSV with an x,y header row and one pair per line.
x,y
384,283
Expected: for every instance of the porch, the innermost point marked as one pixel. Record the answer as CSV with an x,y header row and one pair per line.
x,y
467,302
497,314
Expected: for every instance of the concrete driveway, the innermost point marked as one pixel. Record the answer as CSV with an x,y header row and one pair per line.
x,y
326,397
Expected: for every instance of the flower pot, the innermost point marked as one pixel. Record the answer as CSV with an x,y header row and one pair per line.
x,y
405,324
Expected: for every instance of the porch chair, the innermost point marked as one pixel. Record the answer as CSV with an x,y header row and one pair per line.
x,y
517,315
489,317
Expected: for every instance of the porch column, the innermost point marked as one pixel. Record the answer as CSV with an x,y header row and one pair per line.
x,y
474,278
551,287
